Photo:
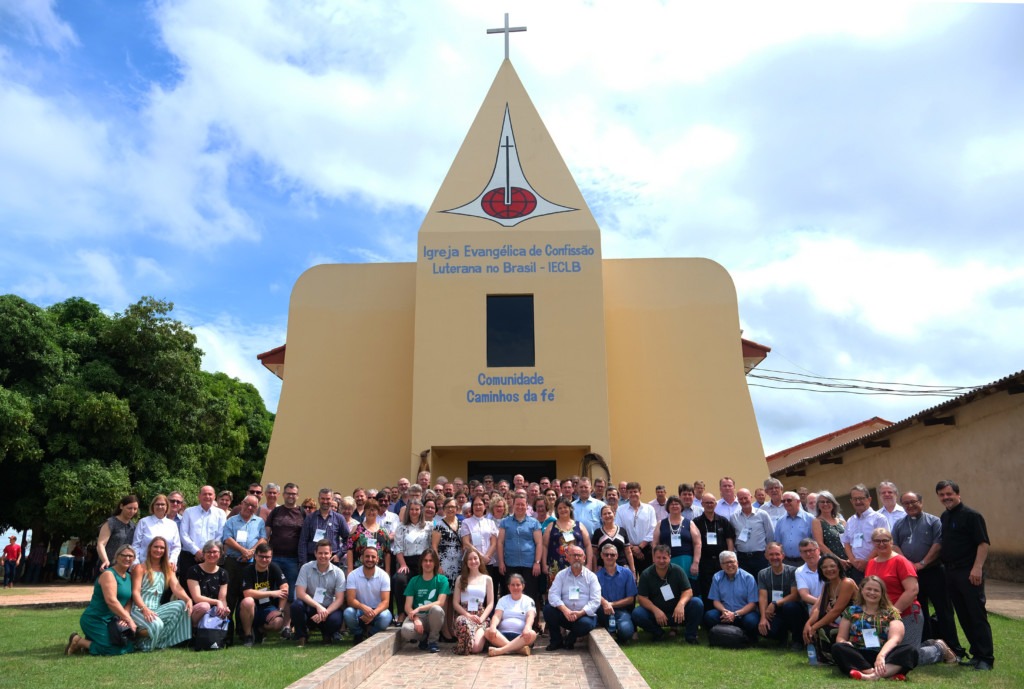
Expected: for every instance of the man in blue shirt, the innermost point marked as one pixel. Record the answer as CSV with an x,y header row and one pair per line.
x,y
733,595
242,533
325,524
587,508
618,594
793,528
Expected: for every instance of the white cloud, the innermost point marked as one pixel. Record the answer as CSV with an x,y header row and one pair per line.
x,y
39,23
231,346
901,294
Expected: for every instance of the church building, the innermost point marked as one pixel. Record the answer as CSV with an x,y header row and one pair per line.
x,y
511,345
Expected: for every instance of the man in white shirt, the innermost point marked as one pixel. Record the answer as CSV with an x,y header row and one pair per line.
x,y
658,503
199,524
573,601
857,537
888,495
774,507
753,533
727,504
638,520
808,583
368,594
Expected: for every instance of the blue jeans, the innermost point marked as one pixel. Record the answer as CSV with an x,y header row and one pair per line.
x,y
623,620
747,623
556,623
290,569
10,567
355,625
693,613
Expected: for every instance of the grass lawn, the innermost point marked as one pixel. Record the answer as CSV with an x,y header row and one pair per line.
x,y
32,647
672,664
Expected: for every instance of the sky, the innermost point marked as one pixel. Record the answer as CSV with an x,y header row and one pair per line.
x,y
856,167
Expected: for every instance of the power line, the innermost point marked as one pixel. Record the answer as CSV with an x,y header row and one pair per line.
x,y
814,383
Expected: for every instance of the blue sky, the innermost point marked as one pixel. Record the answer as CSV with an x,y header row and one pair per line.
x,y
857,169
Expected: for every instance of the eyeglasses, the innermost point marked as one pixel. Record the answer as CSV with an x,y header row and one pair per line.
x,y
175,502
127,556
263,557
789,500
255,492
881,540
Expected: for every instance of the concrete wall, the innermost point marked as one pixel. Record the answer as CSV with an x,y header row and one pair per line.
x,y
982,453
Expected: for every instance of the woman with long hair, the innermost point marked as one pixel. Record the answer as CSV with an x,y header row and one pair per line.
x,y
611,533
828,528
837,593
424,606
412,541
900,577
160,626
117,530
869,643
109,611
473,601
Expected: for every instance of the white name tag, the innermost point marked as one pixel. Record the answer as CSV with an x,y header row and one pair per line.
x,y
744,535
320,595
776,596
871,638
371,542
262,601
677,540
318,535
242,536
568,537
858,540
666,593
712,538
574,593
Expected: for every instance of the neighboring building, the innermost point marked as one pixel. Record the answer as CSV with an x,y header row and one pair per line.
x,y
810,448
511,344
975,439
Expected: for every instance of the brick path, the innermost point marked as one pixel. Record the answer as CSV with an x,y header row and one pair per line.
x,y
410,668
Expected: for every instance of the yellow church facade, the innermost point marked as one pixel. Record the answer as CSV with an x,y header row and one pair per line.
x,y
510,345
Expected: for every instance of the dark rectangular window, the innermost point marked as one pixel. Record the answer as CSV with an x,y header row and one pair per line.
x,y
510,330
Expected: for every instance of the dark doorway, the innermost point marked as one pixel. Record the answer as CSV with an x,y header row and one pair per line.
x,y
531,470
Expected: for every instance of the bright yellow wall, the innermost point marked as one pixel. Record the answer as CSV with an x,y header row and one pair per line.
x,y
679,404
344,417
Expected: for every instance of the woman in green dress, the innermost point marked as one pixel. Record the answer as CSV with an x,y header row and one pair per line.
x,y
111,599
160,626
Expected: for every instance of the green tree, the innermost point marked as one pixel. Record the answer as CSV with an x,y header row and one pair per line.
x,y
94,406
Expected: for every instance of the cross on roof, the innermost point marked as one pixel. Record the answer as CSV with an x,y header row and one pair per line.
x,y
506,30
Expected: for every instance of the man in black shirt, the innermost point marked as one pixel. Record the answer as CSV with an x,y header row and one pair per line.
x,y
964,550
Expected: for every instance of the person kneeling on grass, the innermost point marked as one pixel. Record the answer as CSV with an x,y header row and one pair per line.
x,y
511,629
264,596
666,598
733,593
319,596
368,594
107,622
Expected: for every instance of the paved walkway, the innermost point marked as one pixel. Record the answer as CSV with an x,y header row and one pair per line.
x,y
411,668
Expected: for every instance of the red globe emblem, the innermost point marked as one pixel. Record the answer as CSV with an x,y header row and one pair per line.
x,y
522,203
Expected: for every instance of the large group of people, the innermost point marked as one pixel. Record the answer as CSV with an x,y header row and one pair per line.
x,y
497,565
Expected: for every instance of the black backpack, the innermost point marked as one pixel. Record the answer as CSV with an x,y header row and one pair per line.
x,y
728,636
211,634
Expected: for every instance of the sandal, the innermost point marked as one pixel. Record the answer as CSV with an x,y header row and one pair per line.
x,y
70,648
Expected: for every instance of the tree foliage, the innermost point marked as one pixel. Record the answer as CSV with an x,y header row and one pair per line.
x,y
93,407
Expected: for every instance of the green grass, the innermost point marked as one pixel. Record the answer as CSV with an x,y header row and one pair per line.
x,y
32,654
672,664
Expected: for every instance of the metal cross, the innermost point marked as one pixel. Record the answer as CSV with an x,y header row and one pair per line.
x,y
506,30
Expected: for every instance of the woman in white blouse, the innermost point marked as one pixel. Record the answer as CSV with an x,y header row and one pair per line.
x,y
481,532
412,539
157,524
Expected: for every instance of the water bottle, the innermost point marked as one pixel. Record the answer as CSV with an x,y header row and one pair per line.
x,y
812,654
613,625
